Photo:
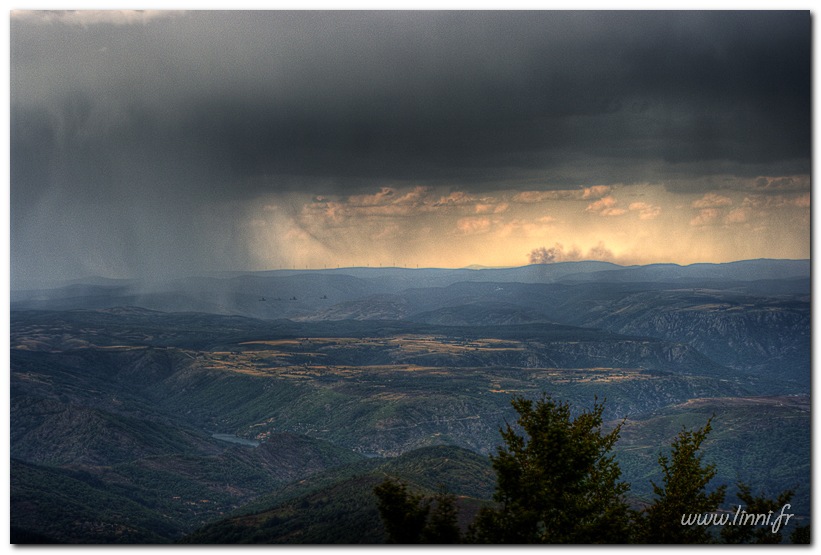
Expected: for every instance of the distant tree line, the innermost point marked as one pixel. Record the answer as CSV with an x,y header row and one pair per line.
x,y
558,482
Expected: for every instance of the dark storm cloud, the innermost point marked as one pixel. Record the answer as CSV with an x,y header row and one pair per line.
x,y
143,118
453,97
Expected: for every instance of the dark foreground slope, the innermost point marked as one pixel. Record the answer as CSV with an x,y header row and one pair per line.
x,y
154,499
340,507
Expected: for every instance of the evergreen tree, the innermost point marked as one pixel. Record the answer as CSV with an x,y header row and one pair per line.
x,y
557,483
442,526
403,513
756,505
683,492
801,534
412,518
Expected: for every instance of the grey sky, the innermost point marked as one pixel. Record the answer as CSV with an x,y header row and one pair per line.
x,y
139,145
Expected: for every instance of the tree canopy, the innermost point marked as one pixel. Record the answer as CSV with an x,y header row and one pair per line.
x,y
683,491
559,482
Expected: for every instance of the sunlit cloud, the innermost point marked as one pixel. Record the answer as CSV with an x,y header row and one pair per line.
x,y
600,252
754,211
777,201
456,198
646,211
803,201
605,207
712,200
532,197
558,253
737,216
595,192
491,208
392,219
706,216
472,226
387,202
586,193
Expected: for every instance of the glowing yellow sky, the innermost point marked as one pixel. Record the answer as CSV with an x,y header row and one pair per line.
x,y
633,224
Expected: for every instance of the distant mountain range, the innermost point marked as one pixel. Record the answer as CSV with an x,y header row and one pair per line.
x,y
290,293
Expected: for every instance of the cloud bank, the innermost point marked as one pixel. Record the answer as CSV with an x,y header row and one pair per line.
x,y
147,143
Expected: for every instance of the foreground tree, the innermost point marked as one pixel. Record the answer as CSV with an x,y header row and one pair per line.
x,y
757,505
683,492
557,482
402,512
413,518
442,526
801,534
